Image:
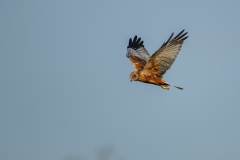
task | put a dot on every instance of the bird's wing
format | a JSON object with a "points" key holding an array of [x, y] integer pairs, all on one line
{"points": [[137, 54], [164, 57]]}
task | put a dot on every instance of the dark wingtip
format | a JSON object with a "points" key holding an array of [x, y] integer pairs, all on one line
{"points": [[170, 38], [135, 43], [179, 34], [135, 38], [130, 41], [184, 38]]}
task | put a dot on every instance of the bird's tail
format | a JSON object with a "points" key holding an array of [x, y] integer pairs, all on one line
{"points": [[168, 84]]}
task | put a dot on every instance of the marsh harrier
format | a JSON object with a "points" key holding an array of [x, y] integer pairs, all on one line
{"points": [[150, 69]]}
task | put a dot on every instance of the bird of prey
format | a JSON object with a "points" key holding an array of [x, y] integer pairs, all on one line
{"points": [[150, 69]]}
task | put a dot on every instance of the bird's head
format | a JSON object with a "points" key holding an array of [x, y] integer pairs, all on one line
{"points": [[134, 76]]}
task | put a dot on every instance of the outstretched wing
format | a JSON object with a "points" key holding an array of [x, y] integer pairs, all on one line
{"points": [[164, 57], [137, 54]]}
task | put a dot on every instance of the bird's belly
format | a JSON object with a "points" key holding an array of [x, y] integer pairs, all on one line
{"points": [[151, 79]]}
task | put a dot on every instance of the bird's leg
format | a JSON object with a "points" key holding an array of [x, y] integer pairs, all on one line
{"points": [[161, 83]]}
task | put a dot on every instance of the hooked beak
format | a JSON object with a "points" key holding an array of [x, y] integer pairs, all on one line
{"points": [[130, 80]]}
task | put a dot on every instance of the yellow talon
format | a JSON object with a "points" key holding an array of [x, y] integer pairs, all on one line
{"points": [[164, 87]]}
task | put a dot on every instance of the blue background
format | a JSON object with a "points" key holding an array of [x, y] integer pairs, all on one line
{"points": [[65, 92]]}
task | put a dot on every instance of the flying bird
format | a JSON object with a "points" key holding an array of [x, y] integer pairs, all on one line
{"points": [[150, 69]]}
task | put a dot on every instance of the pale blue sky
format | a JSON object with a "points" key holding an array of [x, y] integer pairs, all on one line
{"points": [[65, 91]]}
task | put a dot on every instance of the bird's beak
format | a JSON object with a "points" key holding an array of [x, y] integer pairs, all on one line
{"points": [[130, 80]]}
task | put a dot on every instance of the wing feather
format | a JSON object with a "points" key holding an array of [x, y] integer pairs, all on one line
{"points": [[164, 57], [137, 54]]}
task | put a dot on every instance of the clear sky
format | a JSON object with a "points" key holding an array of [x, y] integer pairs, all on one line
{"points": [[65, 92]]}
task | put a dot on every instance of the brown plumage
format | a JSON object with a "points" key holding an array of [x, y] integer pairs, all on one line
{"points": [[150, 69]]}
